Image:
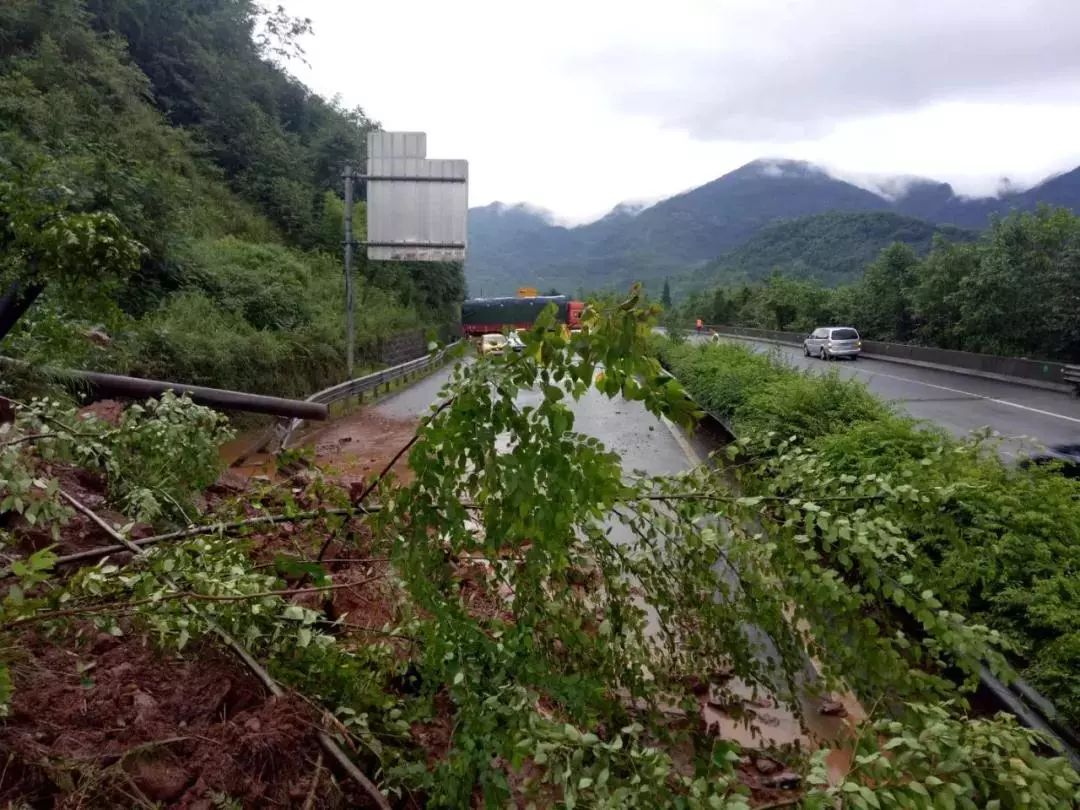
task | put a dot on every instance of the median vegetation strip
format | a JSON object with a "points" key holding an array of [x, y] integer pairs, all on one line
{"points": [[933, 525]]}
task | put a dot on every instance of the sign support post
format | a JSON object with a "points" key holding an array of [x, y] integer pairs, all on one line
{"points": [[417, 210], [350, 298]]}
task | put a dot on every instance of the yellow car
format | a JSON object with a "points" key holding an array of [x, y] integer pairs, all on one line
{"points": [[492, 344]]}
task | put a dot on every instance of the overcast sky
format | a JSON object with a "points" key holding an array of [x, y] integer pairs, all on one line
{"points": [[575, 105]]}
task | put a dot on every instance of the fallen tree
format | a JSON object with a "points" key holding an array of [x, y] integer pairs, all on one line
{"points": [[563, 666]]}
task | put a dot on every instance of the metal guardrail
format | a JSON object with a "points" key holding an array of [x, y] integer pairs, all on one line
{"points": [[1072, 376], [361, 385]]}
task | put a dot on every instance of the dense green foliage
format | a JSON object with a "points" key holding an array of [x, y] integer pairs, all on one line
{"points": [[832, 248], [1013, 292], [561, 690], [192, 183], [996, 543]]}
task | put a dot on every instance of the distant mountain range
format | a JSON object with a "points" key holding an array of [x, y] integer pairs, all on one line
{"points": [[693, 236]]}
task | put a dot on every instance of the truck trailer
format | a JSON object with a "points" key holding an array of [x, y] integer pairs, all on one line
{"points": [[481, 316]]}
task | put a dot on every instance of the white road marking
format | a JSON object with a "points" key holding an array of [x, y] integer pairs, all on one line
{"points": [[983, 397], [1039, 411]]}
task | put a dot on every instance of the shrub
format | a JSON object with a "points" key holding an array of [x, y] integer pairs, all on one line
{"points": [[998, 543]]}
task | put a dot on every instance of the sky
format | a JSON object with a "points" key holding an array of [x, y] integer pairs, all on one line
{"points": [[577, 105]]}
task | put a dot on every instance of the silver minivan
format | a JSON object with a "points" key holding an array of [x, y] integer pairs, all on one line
{"points": [[830, 342]]}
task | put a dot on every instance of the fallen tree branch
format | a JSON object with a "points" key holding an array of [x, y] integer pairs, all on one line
{"points": [[29, 437], [179, 594], [90, 513], [210, 528], [309, 802], [325, 740]]}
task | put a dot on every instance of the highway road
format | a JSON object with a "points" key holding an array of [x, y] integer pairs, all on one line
{"points": [[1025, 417], [643, 441]]}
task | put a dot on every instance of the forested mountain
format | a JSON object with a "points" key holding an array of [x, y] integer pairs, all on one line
{"points": [[174, 124], [833, 248], [1013, 291], [938, 202], [661, 240], [685, 231]]}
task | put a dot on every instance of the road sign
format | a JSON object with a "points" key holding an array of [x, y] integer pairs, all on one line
{"points": [[417, 208]]}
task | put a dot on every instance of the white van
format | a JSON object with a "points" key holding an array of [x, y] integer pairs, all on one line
{"points": [[831, 342]]}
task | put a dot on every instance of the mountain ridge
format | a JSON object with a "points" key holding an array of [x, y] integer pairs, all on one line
{"points": [[692, 228]]}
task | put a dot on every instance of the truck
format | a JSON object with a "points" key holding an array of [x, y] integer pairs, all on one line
{"points": [[481, 316]]}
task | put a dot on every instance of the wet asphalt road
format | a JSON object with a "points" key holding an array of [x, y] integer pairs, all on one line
{"points": [[1027, 417], [415, 400], [644, 442]]}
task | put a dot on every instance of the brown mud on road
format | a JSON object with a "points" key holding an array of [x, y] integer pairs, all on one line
{"points": [[349, 450], [360, 445]]}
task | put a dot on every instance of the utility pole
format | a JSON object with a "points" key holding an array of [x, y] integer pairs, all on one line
{"points": [[350, 298]]}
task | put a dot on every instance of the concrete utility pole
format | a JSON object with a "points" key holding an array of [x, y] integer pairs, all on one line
{"points": [[350, 328]]}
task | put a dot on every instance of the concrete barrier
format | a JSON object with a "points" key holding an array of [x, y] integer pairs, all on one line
{"points": [[1036, 373]]}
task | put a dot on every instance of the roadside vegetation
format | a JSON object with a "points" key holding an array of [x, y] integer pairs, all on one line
{"points": [[473, 633], [176, 191], [925, 522], [1012, 292]]}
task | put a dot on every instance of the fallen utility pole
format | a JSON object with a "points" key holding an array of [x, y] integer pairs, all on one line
{"points": [[117, 385]]}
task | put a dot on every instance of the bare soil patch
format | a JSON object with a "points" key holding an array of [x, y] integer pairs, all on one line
{"points": [[99, 721]]}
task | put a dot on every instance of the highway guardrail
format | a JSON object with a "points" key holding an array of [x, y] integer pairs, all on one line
{"points": [[361, 385], [1031, 708]]}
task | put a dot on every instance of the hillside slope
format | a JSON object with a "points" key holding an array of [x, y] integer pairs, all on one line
{"points": [[833, 248], [510, 246], [175, 119]]}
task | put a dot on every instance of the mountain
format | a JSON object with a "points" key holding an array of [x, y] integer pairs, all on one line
{"points": [[510, 246], [712, 218], [938, 202], [504, 239], [832, 248]]}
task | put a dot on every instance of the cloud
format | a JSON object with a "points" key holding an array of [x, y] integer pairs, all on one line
{"points": [[576, 105], [792, 72]]}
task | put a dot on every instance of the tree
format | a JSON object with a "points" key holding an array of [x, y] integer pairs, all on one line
{"points": [[665, 296], [885, 308], [1023, 296], [936, 297], [722, 307]]}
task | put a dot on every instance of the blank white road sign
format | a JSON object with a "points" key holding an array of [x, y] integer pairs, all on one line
{"points": [[417, 209]]}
